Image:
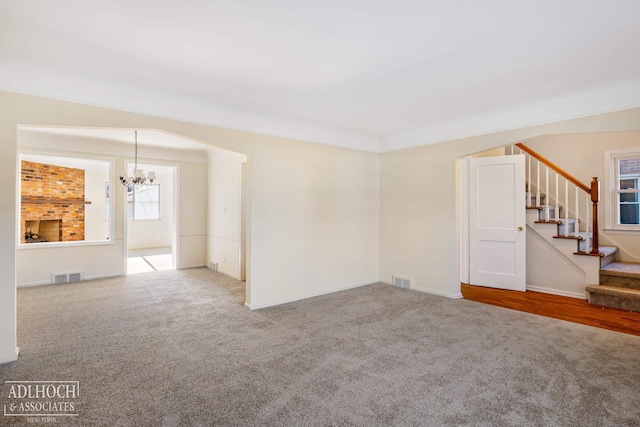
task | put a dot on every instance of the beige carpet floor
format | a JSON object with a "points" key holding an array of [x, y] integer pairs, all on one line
{"points": [[178, 348]]}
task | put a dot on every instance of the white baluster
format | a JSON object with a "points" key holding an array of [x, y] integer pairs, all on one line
{"points": [[556, 215], [538, 185], [588, 239], [566, 207], [546, 209], [577, 224], [529, 184]]}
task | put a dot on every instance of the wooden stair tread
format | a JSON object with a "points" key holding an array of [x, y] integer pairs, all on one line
{"points": [[604, 251], [547, 222], [568, 237], [588, 254]]}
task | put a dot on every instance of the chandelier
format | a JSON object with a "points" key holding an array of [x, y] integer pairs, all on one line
{"points": [[138, 177]]}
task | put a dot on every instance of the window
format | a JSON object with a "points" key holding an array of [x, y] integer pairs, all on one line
{"points": [[143, 202], [625, 191], [628, 213]]}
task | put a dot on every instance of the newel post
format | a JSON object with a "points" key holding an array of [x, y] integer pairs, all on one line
{"points": [[595, 198]]}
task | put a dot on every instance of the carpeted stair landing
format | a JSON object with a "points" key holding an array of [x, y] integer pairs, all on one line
{"points": [[619, 287]]}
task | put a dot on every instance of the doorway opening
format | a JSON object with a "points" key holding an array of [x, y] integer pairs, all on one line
{"points": [[151, 220]]}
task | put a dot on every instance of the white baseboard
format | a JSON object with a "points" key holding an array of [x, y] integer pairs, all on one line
{"points": [[28, 285], [185, 267], [226, 273], [48, 282], [106, 276], [430, 291], [10, 356], [301, 296], [454, 295], [557, 292]]}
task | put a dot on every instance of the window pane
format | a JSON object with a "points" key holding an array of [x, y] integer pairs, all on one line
{"points": [[627, 195], [629, 184], [629, 166], [629, 214], [147, 202]]}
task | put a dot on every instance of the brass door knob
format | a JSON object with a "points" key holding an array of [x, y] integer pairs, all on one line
{"points": [[520, 228]]}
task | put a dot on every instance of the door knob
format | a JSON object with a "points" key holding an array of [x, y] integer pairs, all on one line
{"points": [[520, 229]]}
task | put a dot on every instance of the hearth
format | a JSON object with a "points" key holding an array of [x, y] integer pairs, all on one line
{"points": [[43, 231]]}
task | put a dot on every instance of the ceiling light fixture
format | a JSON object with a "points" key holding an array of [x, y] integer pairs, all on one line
{"points": [[138, 177]]}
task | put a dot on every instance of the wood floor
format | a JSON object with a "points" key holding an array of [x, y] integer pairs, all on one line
{"points": [[559, 307]]}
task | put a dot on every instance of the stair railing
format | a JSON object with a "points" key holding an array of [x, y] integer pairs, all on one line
{"points": [[592, 195]]}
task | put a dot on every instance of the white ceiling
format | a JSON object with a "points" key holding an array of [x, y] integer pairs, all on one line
{"points": [[375, 75]]}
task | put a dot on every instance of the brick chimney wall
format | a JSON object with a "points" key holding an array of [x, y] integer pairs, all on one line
{"points": [[49, 183]]}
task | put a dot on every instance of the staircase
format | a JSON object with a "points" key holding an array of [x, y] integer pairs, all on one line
{"points": [[609, 283], [619, 287]]}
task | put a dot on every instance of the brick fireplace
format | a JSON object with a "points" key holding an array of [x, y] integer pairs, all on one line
{"points": [[53, 204]]}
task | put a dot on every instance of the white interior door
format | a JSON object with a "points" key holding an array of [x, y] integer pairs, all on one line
{"points": [[497, 222]]}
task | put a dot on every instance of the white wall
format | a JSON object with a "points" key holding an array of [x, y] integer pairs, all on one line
{"points": [[550, 271], [8, 229], [36, 265], [96, 225], [192, 220], [155, 233], [224, 203], [314, 221]]}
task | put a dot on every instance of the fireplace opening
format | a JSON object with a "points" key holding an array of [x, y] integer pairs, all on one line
{"points": [[43, 231]]}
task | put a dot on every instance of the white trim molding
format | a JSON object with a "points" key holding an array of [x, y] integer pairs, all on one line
{"points": [[455, 295], [10, 357], [610, 187], [557, 292]]}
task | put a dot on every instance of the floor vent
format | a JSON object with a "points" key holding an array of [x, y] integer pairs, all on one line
{"points": [[59, 278], [402, 281], [75, 277]]}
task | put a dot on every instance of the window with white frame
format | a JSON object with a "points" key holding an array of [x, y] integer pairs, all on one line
{"points": [[624, 196], [143, 202]]}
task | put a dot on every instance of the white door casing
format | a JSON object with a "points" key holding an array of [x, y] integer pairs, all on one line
{"points": [[497, 222]]}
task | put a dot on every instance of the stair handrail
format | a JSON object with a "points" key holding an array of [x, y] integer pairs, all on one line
{"points": [[593, 190], [575, 181]]}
